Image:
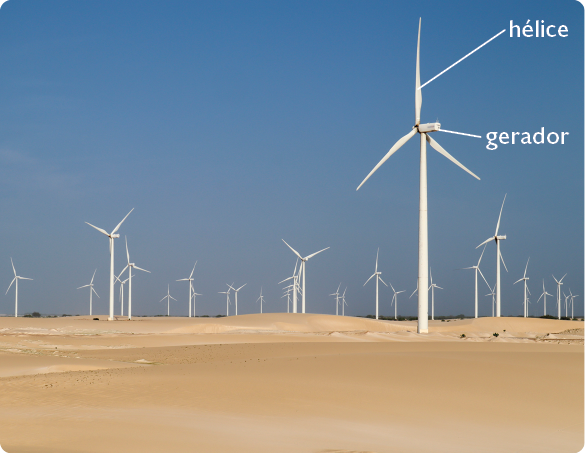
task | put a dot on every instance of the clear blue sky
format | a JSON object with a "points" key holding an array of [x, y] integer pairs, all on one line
{"points": [[231, 125]]}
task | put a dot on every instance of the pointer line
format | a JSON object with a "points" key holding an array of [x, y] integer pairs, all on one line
{"points": [[460, 133], [462, 58]]}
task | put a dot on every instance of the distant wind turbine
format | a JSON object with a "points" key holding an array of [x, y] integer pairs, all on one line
{"points": [[343, 302], [304, 269], [544, 294], [112, 236], [295, 278], [525, 278], [378, 278], [559, 283], [432, 288], [227, 293], [190, 280], [261, 299], [236, 295], [194, 297], [395, 300], [423, 240], [130, 266], [336, 294], [572, 303], [497, 239], [91, 290], [15, 279], [122, 283], [493, 294], [168, 297], [477, 269]]}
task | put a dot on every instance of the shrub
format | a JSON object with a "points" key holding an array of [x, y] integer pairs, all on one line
{"points": [[462, 335], [35, 314], [496, 334], [96, 319]]}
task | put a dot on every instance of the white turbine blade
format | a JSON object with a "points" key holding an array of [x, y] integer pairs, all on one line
{"points": [[172, 297], [502, 258], [392, 287], [311, 256], [93, 277], [193, 269], [377, 253], [481, 256], [382, 280], [526, 267], [431, 272], [541, 296], [296, 262], [140, 269], [480, 273], [84, 286], [162, 299], [241, 287], [120, 274], [182, 280], [562, 278], [95, 292], [398, 292], [368, 279], [442, 151], [127, 253], [294, 251], [528, 290], [518, 281], [485, 242], [438, 287], [24, 278], [99, 229], [501, 209], [120, 224], [413, 292], [230, 286], [395, 148], [418, 94], [286, 279], [464, 268]]}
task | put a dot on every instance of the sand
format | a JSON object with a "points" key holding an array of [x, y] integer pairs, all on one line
{"points": [[290, 383]]}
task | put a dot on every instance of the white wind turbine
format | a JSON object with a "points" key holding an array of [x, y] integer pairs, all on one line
{"points": [[303, 269], [477, 269], [295, 278], [191, 290], [567, 296], [544, 294], [377, 275], [261, 299], [227, 293], [559, 283], [493, 294], [129, 266], [15, 279], [236, 296], [432, 288], [336, 294], [572, 303], [287, 295], [194, 297], [343, 302], [112, 236], [423, 240], [525, 278], [122, 283], [90, 293], [168, 297], [395, 300], [498, 258]]}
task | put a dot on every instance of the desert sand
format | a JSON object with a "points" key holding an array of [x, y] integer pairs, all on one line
{"points": [[290, 383]]}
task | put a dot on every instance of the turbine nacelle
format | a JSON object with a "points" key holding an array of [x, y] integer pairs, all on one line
{"points": [[429, 127], [500, 238]]}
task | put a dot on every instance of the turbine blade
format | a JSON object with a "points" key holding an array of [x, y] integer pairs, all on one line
{"points": [[395, 148], [502, 258], [442, 151], [118, 277], [286, 279], [120, 224], [438, 287], [99, 229], [377, 253], [540, 297], [11, 262], [526, 267], [95, 292], [562, 278], [418, 94], [93, 277], [84, 286], [241, 287], [382, 280], [294, 251], [368, 279], [501, 209], [481, 256], [127, 254], [518, 281], [311, 256], [193, 269], [182, 280], [485, 242], [480, 273], [398, 292], [140, 269], [24, 278], [173, 298]]}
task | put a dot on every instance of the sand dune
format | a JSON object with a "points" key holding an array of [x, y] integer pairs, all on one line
{"points": [[290, 383]]}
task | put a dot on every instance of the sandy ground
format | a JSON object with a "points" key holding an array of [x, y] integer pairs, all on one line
{"points": [[290, 383]]}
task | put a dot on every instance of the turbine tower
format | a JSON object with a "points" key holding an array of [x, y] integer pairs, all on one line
{"points": [[432, 288], [130, 266], [423, 241], [227, 293], [336, 294], [191, 290], [343, 302], [90, 293], [15, 279], [559, 283], [395, 300], [525, 278], [168, 297], [477, 269], [303, 269], [261, 299], [499, 257], [377, 275], [544, 294], [236, 296], [112, 236]]}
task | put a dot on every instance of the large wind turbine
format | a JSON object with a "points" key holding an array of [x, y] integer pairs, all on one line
{"points": [[227, 293], [261, 299], [15, 279], [432, 288], [236, 296], [168, 297], [477, 269], [377, 275], [190, 280], [525, 278], [112, 236], [423, 240], [499, 257], [130, 266], [194, 300], [559, 283], [90, 292], [544, 293], [303, 269], [395, 300]]}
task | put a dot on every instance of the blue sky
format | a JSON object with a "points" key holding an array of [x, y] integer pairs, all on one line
{"points": [[229, 126]]}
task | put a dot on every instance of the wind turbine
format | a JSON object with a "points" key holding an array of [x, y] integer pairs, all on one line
{"points": [[432, 288], [423, 240], [377, 275], [544, 293], [295, 285], [236, 296], [287, 295], [194, 297], [572, 303], [499, 257], [190, 280], [15, 279], [477, 269], [227, 293], [90, 293], [343, 302], [303, 268], [336, 294], [130, 266], [122, 283], [395, 300], [112, 236], [559, 283], [493, 294], [168, 297], [525, 278], [261, 299]]}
